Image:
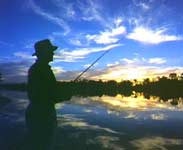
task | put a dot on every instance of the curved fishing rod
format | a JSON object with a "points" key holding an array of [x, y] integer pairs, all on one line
{"points": [[91, 65]]}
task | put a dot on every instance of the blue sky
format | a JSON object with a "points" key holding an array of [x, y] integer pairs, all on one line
{"points": [[144, 37]]}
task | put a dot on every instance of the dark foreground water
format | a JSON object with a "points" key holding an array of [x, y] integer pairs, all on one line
{"points": [[100, 123]]}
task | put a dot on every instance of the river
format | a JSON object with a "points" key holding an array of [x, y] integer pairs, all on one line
{"points": [[101, 123]]}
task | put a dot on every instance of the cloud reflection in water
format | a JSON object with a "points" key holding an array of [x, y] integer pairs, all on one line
{"points": [[133, 107], [153, 143], [73, 121]]}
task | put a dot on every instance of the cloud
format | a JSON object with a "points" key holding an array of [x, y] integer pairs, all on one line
{"points": [[118, 21], [15, 72], [67, 75], [87, 65], [75, 42], [58, 70], [123, 72], [57, 20], [142, 5], [75, 55], [113, 64], [66, 7], [157, 61], [149, 36], [91, 11], [127, 69], [142, 60], [129, 61], [24, 55], [108, 36]]}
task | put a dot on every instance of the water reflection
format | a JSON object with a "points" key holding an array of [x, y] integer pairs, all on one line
{"points": [[137, 102], [150, 143], [74, 121], [103, 123], [107, 142]]}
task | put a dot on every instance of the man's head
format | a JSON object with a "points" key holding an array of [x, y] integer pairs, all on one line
{"points": [[44, 50]]}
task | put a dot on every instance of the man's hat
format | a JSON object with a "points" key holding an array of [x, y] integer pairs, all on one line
{"points": [[43, 45]]}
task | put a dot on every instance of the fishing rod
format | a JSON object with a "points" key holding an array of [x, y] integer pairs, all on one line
{"points": [[91, 65]]}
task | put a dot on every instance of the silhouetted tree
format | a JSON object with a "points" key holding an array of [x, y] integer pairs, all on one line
{"points": [[181, 76], [173, 76], [163, 78], [146, 81], [135, 81]]}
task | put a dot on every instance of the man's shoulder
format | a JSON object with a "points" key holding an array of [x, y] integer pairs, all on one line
{"points": [[38, 67], [34, 68]]}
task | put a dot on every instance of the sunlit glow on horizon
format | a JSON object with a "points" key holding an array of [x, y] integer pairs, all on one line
{"points": [[131, 73]]}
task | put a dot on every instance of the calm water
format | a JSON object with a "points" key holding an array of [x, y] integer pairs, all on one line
{"points": [[102, 123]]}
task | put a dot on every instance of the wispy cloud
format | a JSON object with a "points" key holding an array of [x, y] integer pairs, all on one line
{"points": [[24, 55], [75, 42], [91, 11], [57, 20], [149, 36], [142, 60], [107, 37], [72, 56], [143, 5], [87, 65], [65, 7]]}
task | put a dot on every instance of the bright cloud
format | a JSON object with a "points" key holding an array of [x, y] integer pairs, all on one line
{"points": [[134, 69], [157, 61], [108, 37], [154, 60], [72, 56], [129, 61], [149, 36], [58, 70]]}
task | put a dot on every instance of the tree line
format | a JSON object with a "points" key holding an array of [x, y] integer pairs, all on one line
{"points": [[163, 87]]}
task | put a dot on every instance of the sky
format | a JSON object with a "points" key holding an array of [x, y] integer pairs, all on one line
{"points": [[144, 37]]}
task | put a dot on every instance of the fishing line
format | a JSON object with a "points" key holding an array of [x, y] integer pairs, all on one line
{"points": [[91, 65]]}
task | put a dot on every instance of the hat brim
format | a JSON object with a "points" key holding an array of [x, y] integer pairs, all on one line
{"points": [[53, 48]]}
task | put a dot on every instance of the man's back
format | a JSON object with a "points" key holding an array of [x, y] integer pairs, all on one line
{"points": [[41, 84]]}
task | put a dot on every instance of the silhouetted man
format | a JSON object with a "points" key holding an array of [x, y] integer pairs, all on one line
{"points": [[41, 114]]}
